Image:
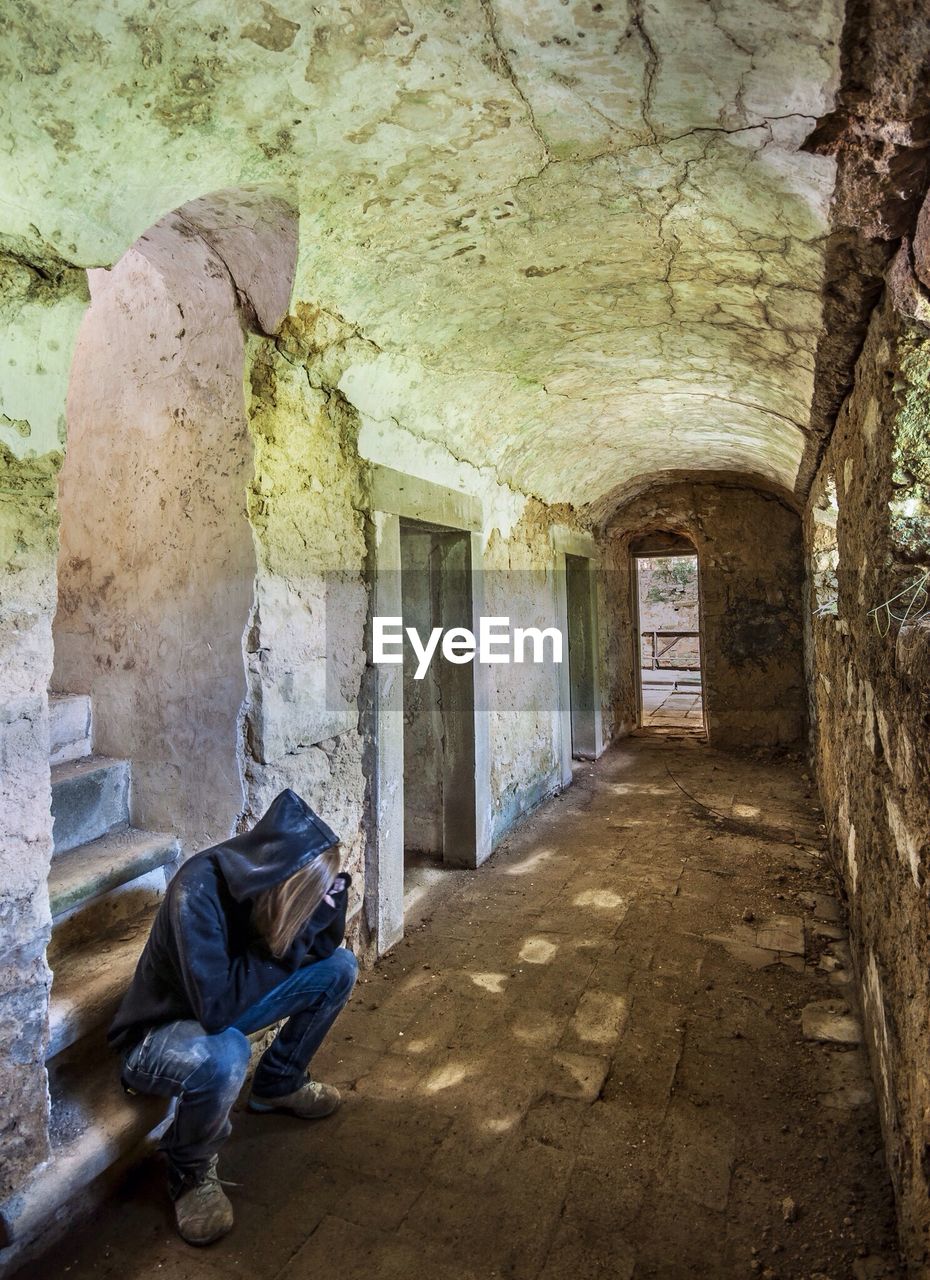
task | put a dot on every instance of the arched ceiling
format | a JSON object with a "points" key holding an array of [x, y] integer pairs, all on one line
{"points": [[581, 239]]}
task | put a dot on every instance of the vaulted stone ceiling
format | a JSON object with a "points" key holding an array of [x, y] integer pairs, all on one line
{"points": [[579, 241]]}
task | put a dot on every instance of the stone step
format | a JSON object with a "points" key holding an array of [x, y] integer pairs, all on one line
{"points": [[89, 798], [88, 983], [96, 1129], [70, 727], [78, 928], [98, 886]]}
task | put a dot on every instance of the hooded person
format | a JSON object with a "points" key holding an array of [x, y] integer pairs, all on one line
{"points": [[249, 933]]}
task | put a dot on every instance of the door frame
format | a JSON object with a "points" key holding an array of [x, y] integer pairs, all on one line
{"points": [[567, 542], [665, 554], [396, 496]]}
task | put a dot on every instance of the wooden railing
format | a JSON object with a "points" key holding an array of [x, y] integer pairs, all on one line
{"points": [[667, 640]]}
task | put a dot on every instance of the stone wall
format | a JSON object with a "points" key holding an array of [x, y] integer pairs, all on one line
{"points": [[156, 563], [524, 699], [41, 304], [305, 641], [517, 558], [748, 546], [870, 713], [27, 549]]}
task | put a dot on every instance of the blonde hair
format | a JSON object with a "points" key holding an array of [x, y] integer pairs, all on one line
{"points": [[280, 912]]}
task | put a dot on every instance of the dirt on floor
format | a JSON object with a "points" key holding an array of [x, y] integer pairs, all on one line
{"points": [[627, 1046]]}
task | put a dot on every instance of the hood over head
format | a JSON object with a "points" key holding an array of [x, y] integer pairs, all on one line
{"points": [[288, 837]]}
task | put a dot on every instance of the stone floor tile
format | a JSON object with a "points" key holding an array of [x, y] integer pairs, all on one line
{"points": [[580, 1253], [782, 933], [699, 1147], [830, 1020], [576, 1075], [341, 1247], [598, 1021], [679, 1245], [505, 1223]]}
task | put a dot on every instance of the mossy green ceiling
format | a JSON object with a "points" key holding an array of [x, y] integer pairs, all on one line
{"points": [[579, 240]]}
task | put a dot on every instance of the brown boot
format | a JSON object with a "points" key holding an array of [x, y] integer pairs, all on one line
{"points": [[311, 1101], [203, 1211]]}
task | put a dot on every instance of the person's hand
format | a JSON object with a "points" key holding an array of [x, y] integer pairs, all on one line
{"points": [[338, 886]]}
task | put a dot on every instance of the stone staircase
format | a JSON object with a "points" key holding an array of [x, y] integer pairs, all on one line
{"points": [[105, 884]]}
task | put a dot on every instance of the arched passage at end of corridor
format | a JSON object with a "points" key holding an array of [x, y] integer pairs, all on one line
{"points": [[747, 539]]}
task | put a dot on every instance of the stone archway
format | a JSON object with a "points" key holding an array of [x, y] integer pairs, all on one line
{"points": [[157, 561], [748, 545], [157, 572]]}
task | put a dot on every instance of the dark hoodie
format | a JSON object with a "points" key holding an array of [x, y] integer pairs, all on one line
{"points": [[203, 959]]}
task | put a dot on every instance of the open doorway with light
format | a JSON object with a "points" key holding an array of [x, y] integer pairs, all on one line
{"points": [[668, 610]]}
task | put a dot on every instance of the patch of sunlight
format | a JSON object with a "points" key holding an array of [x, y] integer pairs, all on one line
{"points": [[447, 1077], [418, 1046], [500, 1124], [600, 1017], [538, 950], [746, 811], [581, 1070], [493, 982], [418, 883], [640, 789], [529, 864], [415, 980], [603, 899], [413, 896]]}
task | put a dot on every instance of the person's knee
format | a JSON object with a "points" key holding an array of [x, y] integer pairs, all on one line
{"points": [[345, 968], [224, 1061]]}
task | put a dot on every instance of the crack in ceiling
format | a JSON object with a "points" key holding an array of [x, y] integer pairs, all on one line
{"points": [[581, 239]]}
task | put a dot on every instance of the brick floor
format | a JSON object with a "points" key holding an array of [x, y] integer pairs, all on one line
{"points": [[586, 1061]]}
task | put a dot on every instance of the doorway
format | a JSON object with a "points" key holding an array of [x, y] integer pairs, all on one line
{"points": [[668, 611], [582, 621], [439, 708], [442, 533]]}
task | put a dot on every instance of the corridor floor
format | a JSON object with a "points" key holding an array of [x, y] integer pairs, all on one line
{"points": [[665, 708], [602, 1055]]}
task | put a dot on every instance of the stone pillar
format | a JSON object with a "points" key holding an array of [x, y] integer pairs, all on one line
{"points": [[41, 304], [384, 871]]}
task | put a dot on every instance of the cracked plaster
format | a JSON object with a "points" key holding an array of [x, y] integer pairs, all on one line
{"points": [[577, 237]]}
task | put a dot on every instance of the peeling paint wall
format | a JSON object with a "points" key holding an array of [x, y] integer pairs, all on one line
{"points": [[156, 564], [871, 677], [749, 554]]}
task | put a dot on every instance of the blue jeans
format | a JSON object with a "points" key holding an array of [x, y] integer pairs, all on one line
{"points": [[205, 1072]]}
